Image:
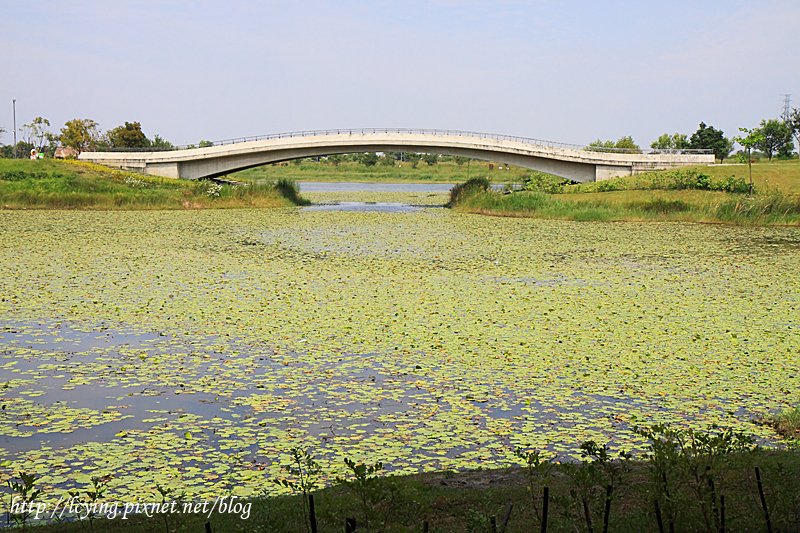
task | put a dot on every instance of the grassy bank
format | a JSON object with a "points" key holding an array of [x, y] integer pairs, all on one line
{"points": [[653, 206], [49, 184], [601, 493], [706, 194]]}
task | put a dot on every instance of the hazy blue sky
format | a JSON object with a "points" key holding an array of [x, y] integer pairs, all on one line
{"points": [[569, 71]]}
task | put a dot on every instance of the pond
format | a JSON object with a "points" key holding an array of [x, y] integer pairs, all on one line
{"points": [[197, 348], [349, 187]]}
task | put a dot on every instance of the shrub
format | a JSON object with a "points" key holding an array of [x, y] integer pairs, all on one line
{"points": [[678, 179], [703, 182], [20, 175], [734, 184], [467, 189], [607, 186], [541, 182], [289, 190], [211, 188]]}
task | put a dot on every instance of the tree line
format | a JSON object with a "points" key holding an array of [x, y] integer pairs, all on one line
{"points": [[81, 134], [773, 137]]}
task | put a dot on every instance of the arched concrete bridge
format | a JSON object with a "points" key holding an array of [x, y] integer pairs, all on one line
{"points": [[573, 162]]}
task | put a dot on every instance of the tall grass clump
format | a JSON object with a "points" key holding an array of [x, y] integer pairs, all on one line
{"points": [[773, 208], [288, 189], [662, 206], [468, 189], [787, 423]]}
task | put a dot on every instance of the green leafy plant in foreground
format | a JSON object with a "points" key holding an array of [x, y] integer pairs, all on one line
{"points": [[695, 459], [91, 498], [304, 474], [168, 494], [23, 495], [365, 484], [538, 473], [596, 479]]}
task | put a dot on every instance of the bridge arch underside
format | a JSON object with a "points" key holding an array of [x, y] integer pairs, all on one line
{"points": [[220, 166]]}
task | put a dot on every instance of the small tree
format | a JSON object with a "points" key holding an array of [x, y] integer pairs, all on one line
{"points": [[776, 137], [369, 159], [387, 159], [625, 143], [161, 144], [676, 141], [601, 145], [710, 138], [304, 473], [81, 134], [37, 132], [431, 159], [750, 139], [129, 135], [412, 158]]}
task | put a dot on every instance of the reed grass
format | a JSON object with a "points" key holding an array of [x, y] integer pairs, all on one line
{"points": [[768, 209]]}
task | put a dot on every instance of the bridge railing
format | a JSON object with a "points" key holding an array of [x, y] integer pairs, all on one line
{"points": [[411, 131]]}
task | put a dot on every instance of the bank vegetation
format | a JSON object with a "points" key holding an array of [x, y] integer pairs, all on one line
{"points": [[722, 194], [50, 184]]}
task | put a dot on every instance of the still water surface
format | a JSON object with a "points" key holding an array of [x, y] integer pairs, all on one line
{"points": [[201, 346]]}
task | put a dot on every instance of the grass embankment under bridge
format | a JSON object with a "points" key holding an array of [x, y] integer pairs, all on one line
{"points": [[711, 194], [656, 196]]}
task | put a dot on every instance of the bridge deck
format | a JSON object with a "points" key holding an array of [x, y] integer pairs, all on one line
{"points": [[570, 161]]}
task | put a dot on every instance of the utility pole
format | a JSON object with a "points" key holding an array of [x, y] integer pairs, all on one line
{"points": [[14, 107]]}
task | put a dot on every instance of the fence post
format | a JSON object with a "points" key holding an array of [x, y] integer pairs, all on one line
{"points": [[545, 507], [763, 500], [312, 513], [507, 517]]}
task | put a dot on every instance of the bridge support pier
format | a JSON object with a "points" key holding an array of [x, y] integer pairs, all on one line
{"points": [[165, 170], [606, 172]]}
